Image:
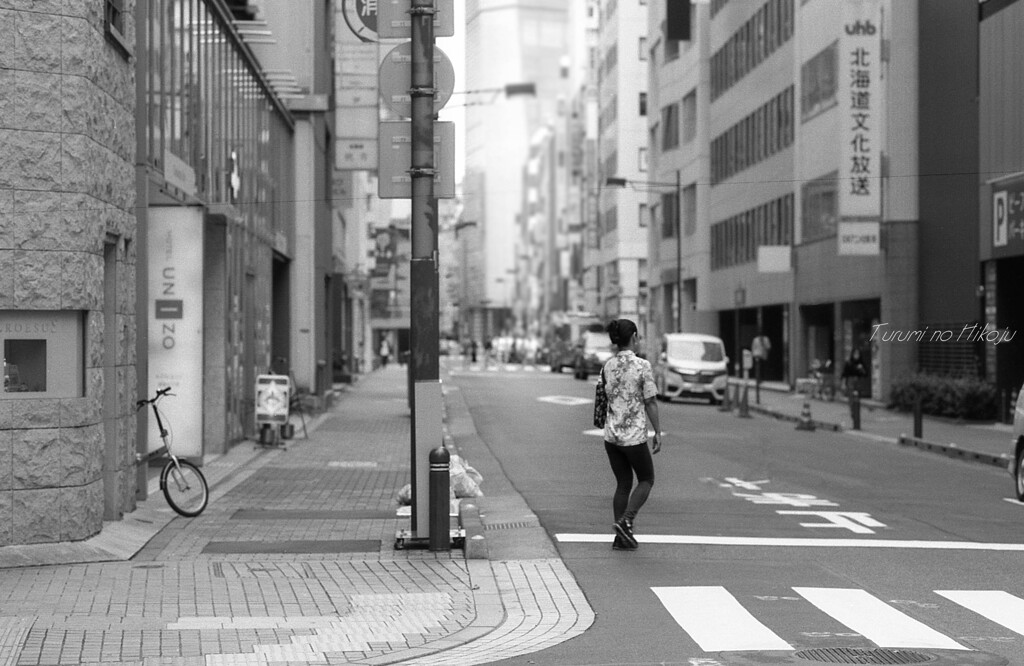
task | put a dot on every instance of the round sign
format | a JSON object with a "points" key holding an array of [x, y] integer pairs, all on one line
{"points": [[395, 79]]}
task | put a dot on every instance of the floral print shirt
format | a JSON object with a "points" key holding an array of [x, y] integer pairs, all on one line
{"points": [[629, 382]]}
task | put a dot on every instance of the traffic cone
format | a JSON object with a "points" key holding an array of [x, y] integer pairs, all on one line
{"points": [[805, 419], [744, 411]]}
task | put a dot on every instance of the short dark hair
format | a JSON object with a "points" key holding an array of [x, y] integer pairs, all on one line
{"points": [[621, 331]]}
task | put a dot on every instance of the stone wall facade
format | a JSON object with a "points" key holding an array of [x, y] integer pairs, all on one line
{"points": [[67, 225]]}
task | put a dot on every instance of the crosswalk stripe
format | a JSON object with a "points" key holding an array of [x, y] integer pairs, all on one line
{"points": [[716, 621], [1001, 607], [875, 620]]}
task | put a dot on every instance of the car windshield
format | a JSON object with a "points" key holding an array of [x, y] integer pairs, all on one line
{"points": [[594, 341], [695, 350]]}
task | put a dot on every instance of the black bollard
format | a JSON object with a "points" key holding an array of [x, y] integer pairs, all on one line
{"points": [[439, 499], [855, 410], [918, 421]]}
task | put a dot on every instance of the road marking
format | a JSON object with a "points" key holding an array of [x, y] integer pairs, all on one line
{"points": [[599, 432], [1001, 607], [859, 523], [792, 542], [568, 400], [876, 620], [716, 621]]}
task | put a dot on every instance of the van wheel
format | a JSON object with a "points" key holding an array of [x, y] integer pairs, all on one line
{"points": [[1018, 475]]}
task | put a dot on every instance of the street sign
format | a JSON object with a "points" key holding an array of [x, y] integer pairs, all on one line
{"points": [[395, 79], [858, 238], [394, 181], [394, 21]]}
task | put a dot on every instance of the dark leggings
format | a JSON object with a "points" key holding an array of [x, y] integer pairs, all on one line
{"points": [[625, 460]]}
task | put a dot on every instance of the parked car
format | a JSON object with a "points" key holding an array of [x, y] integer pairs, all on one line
{"points": [[691, 365], [560, 355], [590, 355], [1016, 465]]}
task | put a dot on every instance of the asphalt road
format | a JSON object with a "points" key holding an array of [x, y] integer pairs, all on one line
{"points": [[753, 540]]}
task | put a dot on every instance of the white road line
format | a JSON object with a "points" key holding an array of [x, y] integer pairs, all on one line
{"points": [[697, 540], [876, 620], [1000, 607], [716, 621]]}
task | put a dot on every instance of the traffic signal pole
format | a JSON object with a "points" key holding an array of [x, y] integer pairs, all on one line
{"points": [[424, 290]]}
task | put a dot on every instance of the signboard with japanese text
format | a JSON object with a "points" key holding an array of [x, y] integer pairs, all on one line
{"points": [[175, 323], [860, 110], [1008, 218], [859, 238], [356, 59]]}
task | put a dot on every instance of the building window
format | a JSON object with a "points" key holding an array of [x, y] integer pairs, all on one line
{"points": [[641, 159], [818, 78], [756, 137], [642, 54], [43, 354], [642, 215], [734, 241], [671, 45], [690, 209], [114, 20], [768, 29], [820, 206], [669, 216], [643, 104], [689, 116], [670, 127]]}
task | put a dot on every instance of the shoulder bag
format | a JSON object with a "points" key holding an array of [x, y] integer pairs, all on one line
{"points": [[600, 403]]}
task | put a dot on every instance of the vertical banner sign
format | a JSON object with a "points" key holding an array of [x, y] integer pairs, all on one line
{"points": [[860, 115], [1008, 218], [175, 324], [356, 58]]}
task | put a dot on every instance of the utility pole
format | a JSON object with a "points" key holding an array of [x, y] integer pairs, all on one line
{"points": [[424, 289], [679, 253]]}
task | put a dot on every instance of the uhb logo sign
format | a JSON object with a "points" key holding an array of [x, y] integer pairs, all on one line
{"points": [[861, 28]]}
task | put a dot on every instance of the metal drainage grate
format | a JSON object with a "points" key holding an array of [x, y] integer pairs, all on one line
{"points": [[848, 655], [512, 526]]}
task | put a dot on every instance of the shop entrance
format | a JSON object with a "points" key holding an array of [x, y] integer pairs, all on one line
{"points": [[818, 336]]}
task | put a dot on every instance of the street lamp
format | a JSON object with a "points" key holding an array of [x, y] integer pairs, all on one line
{"points": [[613, 181]]}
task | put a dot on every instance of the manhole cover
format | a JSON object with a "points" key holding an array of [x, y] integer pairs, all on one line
{"points": [[848, 655], [511, 526]]}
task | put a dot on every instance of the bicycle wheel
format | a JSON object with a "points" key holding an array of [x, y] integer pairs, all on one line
{"points": [[184, 487]]}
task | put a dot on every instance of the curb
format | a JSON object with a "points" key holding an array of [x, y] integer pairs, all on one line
{"points": [[954, 451], [951, 449], [824, 425]]}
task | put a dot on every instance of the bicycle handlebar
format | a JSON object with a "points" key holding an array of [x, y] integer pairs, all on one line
{"points": [[159, 394]]}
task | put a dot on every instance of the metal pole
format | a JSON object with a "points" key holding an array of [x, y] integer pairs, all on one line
{"points": [[440, 482], [423, 281], [679, 253]]}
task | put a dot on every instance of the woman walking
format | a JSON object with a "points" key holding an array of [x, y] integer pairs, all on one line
{"points": [[629, 384]]}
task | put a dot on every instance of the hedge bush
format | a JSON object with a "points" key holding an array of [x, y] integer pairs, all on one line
{"points": [[962, 398]]}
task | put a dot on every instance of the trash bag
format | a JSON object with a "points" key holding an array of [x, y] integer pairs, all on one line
{"points": [[475, 475], [464, 486], [404, 496]]}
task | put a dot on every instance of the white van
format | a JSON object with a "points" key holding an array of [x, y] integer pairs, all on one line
{"points": [[691, 365]]}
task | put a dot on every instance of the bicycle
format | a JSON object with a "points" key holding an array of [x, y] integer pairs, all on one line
{"points": [[182, 483]]}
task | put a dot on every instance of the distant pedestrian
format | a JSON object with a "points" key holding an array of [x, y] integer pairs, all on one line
{"points": [[472, 349], [854, 371], [385, 352], [629, 384]]}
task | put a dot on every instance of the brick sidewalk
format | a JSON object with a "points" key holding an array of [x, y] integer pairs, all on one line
{"points": [[293, 562]]}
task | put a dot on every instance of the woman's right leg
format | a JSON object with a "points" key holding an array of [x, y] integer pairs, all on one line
{"points": [[623, 472]]}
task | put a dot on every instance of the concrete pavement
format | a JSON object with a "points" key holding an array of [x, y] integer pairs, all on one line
{"points": [[987, 443], [293, 562]]}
